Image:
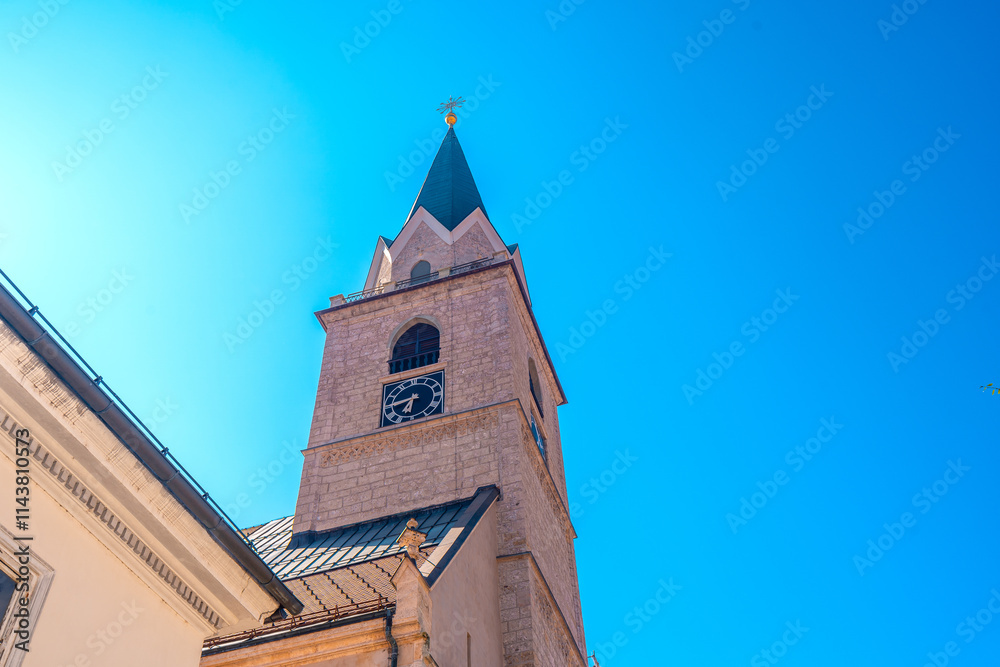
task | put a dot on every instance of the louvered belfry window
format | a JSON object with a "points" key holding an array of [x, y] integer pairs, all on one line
{"points": [[420, 345]]}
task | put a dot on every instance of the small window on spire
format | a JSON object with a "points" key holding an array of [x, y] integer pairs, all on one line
{"points": [[420, 272]]}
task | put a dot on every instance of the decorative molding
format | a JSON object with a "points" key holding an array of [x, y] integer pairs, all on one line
{"points": [[103, 513], [406, 437]]}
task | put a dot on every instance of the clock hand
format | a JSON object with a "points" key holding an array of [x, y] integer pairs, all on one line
{"points": [[405, 400], [409, 406]]}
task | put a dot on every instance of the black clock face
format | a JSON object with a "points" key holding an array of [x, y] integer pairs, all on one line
{"points": [[412, 399]]}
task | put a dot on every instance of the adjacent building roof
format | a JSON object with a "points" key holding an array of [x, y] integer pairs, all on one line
{"points": [[344, 575], [38, 334], [449, 192], [307, 553]]}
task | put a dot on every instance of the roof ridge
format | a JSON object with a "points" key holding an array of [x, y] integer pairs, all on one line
{"points": [[307, 537]]}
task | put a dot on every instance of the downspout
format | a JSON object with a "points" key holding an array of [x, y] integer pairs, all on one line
{"points": [[394, 652]]}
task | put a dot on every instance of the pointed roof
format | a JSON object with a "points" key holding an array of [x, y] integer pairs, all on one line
{"points": [[449, 192]]}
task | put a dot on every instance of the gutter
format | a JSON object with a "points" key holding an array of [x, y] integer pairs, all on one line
{"points": [[155, 460], [394, 653]]}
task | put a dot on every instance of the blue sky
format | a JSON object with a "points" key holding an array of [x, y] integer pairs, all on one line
{"points": [[305, 150]]}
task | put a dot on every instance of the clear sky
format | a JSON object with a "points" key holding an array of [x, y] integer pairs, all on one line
{"points": [[167, 166]]}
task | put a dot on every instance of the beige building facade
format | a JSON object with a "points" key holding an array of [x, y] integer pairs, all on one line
{"points": [[107, 549]]}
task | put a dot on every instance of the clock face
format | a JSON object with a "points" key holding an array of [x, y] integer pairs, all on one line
{"points": [[412, 399]]}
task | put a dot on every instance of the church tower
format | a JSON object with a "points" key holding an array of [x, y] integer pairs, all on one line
{"points": [[436, 383]]}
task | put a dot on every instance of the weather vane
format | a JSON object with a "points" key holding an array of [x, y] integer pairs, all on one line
{"points": [[450, 107]]}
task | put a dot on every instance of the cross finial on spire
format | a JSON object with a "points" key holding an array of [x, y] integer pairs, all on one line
{"points": [[450, 106]]}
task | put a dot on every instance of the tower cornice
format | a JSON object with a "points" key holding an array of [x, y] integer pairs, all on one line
{"points": [[357, 307]]}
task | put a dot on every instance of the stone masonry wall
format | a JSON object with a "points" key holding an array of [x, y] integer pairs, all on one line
{"points": [[406, 468], [524, 347], [355, 471], [472, 316], [426, 245]]}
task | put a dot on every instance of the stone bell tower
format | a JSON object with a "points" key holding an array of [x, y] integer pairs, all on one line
{"points": [[436, 382]]}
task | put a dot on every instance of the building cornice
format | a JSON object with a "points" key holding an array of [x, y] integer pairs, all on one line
{"points": [[85, 497]]}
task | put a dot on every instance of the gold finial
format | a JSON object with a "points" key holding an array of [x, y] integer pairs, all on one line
{"points": [[450, 107]]}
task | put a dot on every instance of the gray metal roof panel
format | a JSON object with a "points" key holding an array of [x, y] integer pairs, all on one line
{"points": [[351, 545]]}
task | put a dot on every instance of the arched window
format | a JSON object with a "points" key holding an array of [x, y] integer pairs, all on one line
{"points": [[535, 386], [420, 272], [420, 345]]}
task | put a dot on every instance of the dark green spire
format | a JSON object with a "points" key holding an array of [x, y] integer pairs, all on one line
{"points": [[449, 192]]}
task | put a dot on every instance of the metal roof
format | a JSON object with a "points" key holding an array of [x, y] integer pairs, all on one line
{"points": [[449, 192], [345, 575], [309, 553]]}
